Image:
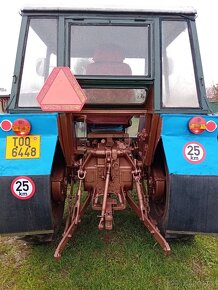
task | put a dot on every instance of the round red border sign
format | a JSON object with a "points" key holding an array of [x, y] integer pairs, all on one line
{"points": [[23, 187], [194, 152]]}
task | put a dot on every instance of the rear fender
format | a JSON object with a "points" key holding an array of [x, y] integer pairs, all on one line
{"points": [[25, 193], [192, 164]]}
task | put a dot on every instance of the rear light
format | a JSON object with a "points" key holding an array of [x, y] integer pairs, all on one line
{"points": [[21, 127], [197, 125]]}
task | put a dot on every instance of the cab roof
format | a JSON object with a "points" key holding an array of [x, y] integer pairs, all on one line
{"points": [[149, 10]]}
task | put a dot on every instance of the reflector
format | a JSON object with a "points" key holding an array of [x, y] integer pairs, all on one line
{"points": [[211, 126], [61, 92], [6, 125]]}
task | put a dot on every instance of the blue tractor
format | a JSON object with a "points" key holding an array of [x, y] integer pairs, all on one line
{"points": [[108, 108]]}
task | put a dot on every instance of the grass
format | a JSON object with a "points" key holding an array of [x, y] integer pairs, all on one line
{"points": [[125, 258]]}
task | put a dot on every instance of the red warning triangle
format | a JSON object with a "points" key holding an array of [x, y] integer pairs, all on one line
{"points": [[61, 92]]}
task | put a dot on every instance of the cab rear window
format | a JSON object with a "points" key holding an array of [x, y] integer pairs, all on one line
{"points": [[110, 50]]}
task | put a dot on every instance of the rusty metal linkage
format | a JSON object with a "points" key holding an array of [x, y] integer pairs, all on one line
{"points": [[105, 196], [107, 173], [142, 211], [74, 218]]}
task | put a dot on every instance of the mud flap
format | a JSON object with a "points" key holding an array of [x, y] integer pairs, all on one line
{"points": [[193, 204], [26, 216]]}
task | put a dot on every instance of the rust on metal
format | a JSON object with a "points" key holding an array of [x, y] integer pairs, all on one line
{"points": [[67, 137], [107, 173], [108, 164]]}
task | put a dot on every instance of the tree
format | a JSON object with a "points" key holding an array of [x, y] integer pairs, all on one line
{"points": [[212, 93]]}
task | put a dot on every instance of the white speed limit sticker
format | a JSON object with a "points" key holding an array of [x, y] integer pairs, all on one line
{"points": [[23, 187], [194, 152]]}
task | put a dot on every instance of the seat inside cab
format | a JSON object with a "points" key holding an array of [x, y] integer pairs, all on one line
{"points": [[109, 60]]}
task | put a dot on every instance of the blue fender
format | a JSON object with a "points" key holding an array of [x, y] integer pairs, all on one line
{"points": [[21, 213], [192, 165], [44, 125]]}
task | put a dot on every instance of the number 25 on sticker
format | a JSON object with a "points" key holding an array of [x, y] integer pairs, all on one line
{"points": [[23, 187], [194, 152]]}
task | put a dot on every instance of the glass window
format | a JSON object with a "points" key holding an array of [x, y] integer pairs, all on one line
{"points": [[109, 50], [178, 79], [40, 58], [115, 96]]}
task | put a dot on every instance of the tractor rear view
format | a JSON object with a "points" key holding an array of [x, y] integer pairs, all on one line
{"points": [[108, 109]]}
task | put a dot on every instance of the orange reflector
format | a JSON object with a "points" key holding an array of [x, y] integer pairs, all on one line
{"points": [[197, 125], [21, 127]]}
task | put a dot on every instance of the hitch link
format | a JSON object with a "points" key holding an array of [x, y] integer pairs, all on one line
{"points": [[74, 217], [105, 196], [143, 213]]}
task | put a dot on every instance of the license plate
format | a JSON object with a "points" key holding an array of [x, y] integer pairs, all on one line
{"points": [[23, 147]]}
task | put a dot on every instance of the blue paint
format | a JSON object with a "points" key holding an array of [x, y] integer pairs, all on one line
{"points": [[175, 134], [44, 125]]}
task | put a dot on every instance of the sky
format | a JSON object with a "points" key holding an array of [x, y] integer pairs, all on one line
{"points": [[206, 26]]}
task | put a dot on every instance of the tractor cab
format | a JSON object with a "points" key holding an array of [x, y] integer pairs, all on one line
{"points": [[112, 101]]}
